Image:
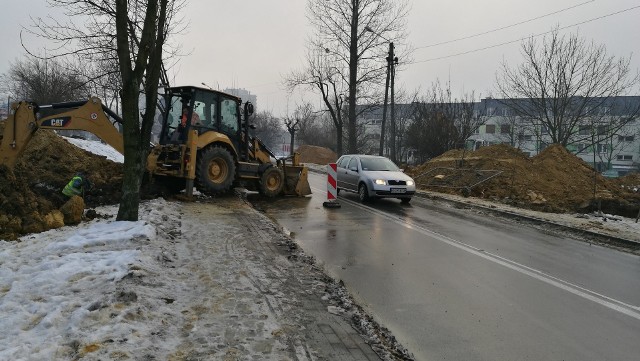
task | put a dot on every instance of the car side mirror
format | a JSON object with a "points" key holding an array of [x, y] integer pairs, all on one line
{"points": [[353, 169]]}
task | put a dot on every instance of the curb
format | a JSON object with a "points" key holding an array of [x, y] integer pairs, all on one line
{"points": [[600, 237]]}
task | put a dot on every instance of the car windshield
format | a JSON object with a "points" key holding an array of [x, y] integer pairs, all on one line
{"points": [[374, 164]]}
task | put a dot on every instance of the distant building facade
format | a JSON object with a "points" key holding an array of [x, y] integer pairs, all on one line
{"points": [[243, 94], [612, 154]]}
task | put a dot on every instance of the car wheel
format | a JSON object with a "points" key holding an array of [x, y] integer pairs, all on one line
{"points": [[405, 200], [363, 193]]}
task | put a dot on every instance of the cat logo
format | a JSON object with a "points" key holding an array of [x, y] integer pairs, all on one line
{"points": [[60, 122], [57, 122]]}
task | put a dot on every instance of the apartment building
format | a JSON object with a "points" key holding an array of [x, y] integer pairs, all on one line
{"points": [[599, 140], [613, 150]]}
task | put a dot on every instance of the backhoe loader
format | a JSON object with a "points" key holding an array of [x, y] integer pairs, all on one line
{"points": [[204, 142]]}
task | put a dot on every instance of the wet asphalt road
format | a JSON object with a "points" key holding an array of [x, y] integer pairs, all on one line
{"points": [[456, 284]]}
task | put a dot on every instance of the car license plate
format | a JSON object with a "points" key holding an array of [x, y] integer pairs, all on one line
{"points": [[398, 190]]}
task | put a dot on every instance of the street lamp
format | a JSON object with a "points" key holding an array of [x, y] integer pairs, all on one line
{"points": [[391, 62]]}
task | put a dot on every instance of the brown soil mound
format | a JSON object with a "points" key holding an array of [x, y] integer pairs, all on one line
{"points": [[316, 155], [554, 181], [32, 190]]}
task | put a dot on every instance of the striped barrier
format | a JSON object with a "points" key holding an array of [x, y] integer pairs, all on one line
{"points": [[332, 186]]}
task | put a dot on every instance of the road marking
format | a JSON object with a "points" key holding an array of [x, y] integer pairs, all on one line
{"points": [[611, 303]]}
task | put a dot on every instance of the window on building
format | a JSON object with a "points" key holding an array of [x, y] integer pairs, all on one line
{"points": [[544, 129], [624, 157], [490, 111], [602, 129], [505, 128], [602, 148], [584, 130], [625, 138], [505, 112], [490, 129], [582, 147]]}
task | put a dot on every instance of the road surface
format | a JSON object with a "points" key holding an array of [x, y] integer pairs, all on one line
{"points": [[457, 284]]}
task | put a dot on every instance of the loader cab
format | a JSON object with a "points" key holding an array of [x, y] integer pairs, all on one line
{"points": [[201, 109]]}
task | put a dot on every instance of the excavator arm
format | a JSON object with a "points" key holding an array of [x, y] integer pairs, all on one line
{"points": [[22, 123]]}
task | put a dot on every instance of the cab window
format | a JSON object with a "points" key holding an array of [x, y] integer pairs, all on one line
{"points": [[229, 116], [204, 109]]}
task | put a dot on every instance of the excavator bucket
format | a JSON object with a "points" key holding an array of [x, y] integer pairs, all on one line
{"points": [[296, 181], [296, 177]]}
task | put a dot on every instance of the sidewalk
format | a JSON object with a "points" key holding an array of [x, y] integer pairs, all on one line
{"points": [[212, 279], [260, 266]]}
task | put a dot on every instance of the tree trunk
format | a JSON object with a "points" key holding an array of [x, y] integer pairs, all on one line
{"points": [[353, 79]]}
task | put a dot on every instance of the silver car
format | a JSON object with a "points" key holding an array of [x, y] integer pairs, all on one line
{"points": [[372, 176]]}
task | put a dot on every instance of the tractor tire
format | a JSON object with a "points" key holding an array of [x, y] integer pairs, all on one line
{"points": [[272, 182], [215, 171]]}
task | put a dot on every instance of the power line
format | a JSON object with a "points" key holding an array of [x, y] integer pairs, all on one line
{"points": [[528, 37], [504, 27]]}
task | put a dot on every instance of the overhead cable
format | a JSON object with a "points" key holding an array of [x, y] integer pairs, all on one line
{"points": [[504, 27]]}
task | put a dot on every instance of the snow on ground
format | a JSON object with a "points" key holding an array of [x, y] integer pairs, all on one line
{"points": [[189, 281], [52, 281], [98, 148]]}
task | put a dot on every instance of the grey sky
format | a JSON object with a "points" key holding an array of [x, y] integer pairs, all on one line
{"points": [[252, 44]]}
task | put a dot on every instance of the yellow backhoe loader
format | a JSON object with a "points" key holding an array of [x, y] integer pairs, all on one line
{"points": [[204, 142]]}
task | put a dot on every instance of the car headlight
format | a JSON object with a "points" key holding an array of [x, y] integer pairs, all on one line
{"points": [[380, 182], [410, 183]]}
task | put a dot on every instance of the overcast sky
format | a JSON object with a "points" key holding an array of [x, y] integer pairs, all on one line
{"points": [[252, 44]]}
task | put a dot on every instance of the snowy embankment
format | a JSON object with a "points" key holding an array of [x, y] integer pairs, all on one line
{"points": [[51, 282]]}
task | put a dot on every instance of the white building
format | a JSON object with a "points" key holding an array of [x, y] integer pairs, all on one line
{"points": [[612, 153]]}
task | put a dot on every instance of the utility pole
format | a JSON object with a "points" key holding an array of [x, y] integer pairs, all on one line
{"points": [[386, 99], [393, 60]]}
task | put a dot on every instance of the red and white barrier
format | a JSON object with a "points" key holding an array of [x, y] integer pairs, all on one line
{"points": [[332, 186]]}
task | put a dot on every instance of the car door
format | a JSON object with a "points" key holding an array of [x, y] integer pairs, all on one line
{"points": [[341, 171], [351, 175]]}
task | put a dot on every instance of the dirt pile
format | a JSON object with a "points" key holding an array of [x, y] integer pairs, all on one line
{"points": [[30, 194], [555, 180], [316, 155]]}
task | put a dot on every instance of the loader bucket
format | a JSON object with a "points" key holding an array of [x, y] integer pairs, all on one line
{"points": [[296, 181]]}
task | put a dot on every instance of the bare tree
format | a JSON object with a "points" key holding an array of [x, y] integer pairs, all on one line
{"points": [[303, 114], [441, 122], [563, 83], [319, 131], [343, 61], [267, 127], [45, 81], [131, 34], [328, 80]]}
